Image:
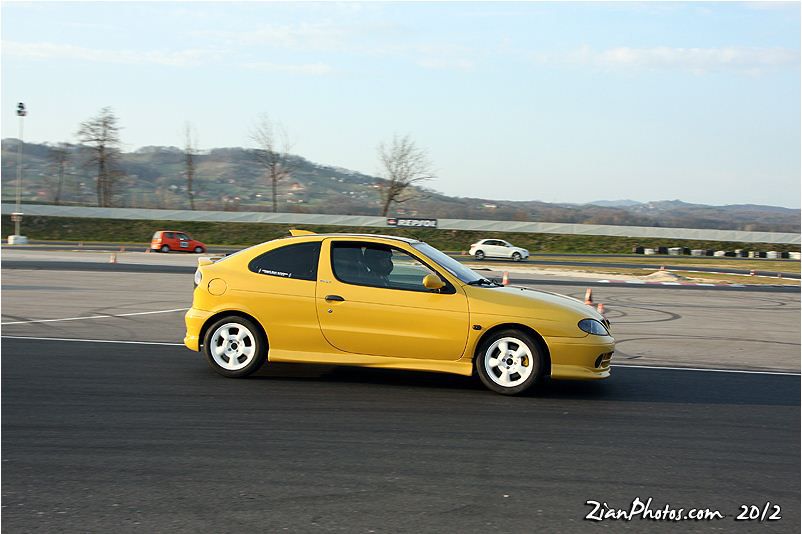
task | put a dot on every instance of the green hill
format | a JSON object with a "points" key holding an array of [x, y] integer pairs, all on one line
{"points": [[229, 179]]}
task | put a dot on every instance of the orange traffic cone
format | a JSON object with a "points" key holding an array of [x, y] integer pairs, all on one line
{"points": [[147, 251], [600, 309], [505, 280], [589, 297], [113, 258]]}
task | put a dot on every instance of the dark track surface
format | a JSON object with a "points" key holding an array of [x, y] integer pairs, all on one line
{"points": [[128, 438]]}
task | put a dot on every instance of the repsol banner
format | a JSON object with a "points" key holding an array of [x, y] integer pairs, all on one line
{"points": [[412, 222]]}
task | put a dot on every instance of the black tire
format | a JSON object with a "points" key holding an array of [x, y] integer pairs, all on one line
{"points": [[198, 250], [232, 354], [165, 248], [514, 339], [516, 256], [479, 255]]}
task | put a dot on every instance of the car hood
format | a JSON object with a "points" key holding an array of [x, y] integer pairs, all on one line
{"points": [[521, 302]]}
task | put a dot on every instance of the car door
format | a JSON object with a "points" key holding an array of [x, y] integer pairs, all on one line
{"points": [[371, 300], [495, 248], [183, 241]]}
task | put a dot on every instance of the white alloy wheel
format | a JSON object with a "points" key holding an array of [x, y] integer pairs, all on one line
{"points": [[165, 248], [198, 250], [508, 362], [232, 346]]}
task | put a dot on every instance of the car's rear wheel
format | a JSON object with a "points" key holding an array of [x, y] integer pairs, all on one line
{"points": [[516, 256], [165, 248], [509, 362], [479, 255], [198, 250], [234, 347]]}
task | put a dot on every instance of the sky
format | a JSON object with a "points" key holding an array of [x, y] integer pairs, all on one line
{"points": [[558, 102]]}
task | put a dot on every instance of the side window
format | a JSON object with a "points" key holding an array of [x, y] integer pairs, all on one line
{"points": [[290, 261], [375, 265], [169, 235], [182, 237]]}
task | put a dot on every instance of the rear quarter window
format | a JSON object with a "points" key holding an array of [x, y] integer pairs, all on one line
{"points": [[290, 261]]}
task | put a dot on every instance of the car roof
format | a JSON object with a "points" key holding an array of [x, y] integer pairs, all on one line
{"points": [[355, 235]]}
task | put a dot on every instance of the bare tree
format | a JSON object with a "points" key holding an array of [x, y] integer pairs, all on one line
{"points": [[58, 157], [102, 135], [272, 152], [403, 166], [190, 150]]}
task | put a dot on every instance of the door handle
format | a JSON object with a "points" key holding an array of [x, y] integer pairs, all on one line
{"points": [[336, 298]]}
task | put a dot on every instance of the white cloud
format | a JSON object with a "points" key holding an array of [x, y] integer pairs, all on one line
{"points": [[313, 69], [70, 52], [315, 36], [446, 64], [697, 60]]}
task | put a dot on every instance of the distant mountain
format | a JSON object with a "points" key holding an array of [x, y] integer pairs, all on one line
{"points": [[229, 179], [625, 203]]}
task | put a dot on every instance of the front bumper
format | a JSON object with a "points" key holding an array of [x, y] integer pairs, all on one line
{"points": [[194, 320], [586, 358]]}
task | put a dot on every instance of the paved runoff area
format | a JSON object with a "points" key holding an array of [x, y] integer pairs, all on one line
{"points": [[110, 425]]}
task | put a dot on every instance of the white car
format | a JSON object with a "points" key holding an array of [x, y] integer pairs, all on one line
{"points": [[497, 248]]}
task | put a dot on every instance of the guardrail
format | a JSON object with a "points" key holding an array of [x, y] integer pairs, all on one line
{"points": [[380, 222]]}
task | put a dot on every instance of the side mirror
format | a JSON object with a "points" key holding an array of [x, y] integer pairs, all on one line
{"points": [[432, 281]]}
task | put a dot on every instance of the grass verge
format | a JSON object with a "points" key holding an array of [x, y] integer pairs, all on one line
{"points": [[245, 234]]}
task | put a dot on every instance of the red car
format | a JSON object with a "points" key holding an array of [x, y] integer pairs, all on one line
{"points": [[167, 240]]}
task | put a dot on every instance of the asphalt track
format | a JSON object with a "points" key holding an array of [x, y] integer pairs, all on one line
{"points": [[103, 435], [133, 438], [89, 266], [539, 259]]}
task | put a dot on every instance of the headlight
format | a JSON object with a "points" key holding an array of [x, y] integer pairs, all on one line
{"points": [[198, 278], [592, 326]]}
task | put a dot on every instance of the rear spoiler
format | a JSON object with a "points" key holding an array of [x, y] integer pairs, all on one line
{"points": [[208, 260], [295, 233]]}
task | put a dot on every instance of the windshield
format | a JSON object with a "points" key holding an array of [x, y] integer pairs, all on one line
{"points": [[448, 263]]}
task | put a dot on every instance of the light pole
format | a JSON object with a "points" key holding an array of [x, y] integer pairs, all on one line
{"points": [[18, 239]]}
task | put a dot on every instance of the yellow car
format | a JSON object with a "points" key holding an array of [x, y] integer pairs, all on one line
{"points": [[391, 302]]}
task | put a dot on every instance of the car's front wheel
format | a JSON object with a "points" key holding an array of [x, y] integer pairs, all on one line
{"points": [[198, 250], [479, 255], [234, 347], [509, 362], [516, 256]]}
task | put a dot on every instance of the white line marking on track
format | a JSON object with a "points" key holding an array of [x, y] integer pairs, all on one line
{"points": [[93, 317], [706, 370], [95, 340], [660, 367]]}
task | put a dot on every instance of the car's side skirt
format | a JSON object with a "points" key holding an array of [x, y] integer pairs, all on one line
{"points": [[460, 367]]}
